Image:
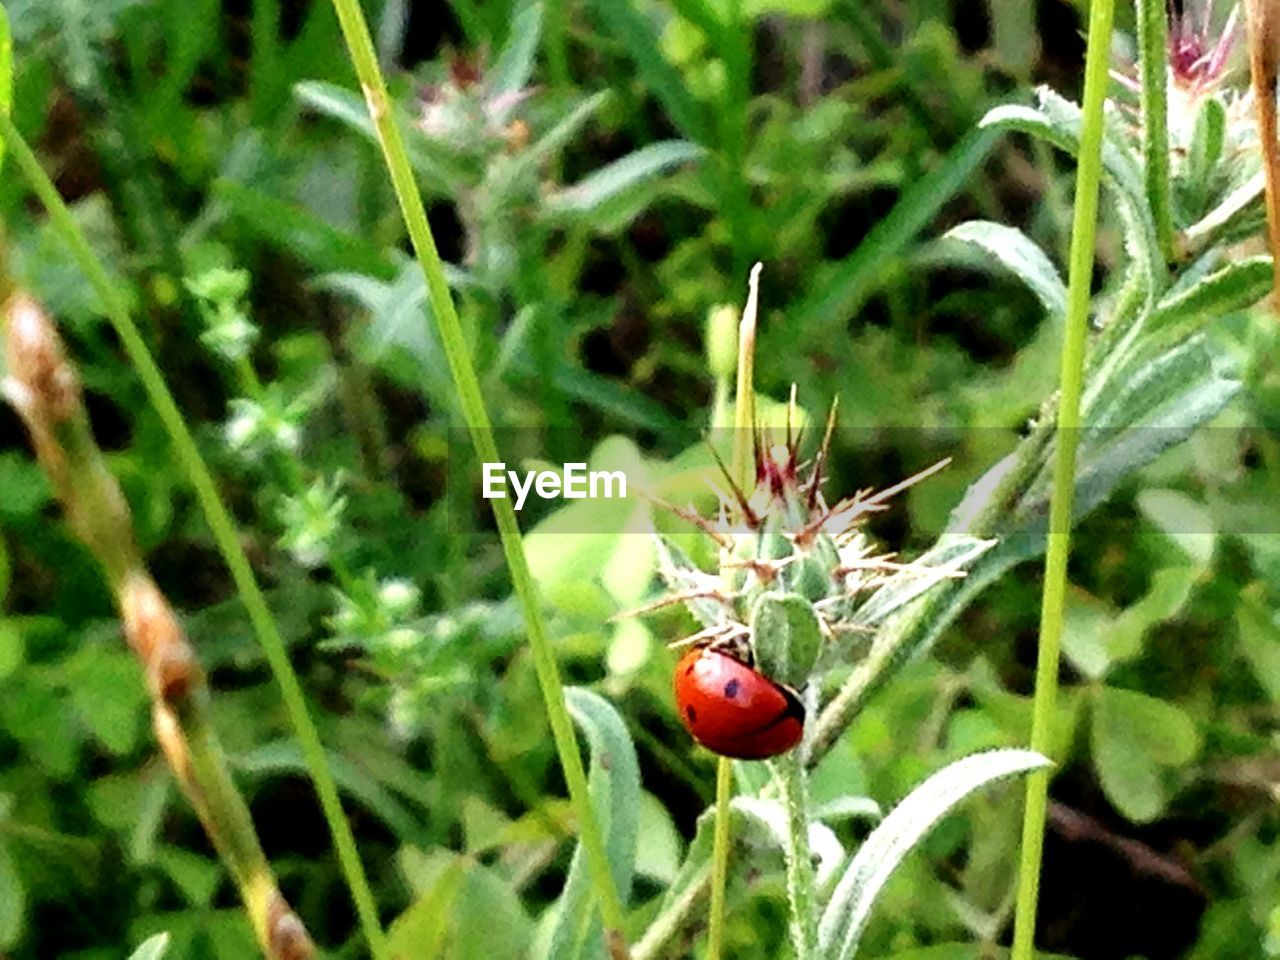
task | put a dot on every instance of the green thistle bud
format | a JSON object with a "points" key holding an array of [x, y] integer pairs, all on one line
{"points": [[798, 577]]}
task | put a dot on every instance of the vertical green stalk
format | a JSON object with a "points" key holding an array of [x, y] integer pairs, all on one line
{"points": [[1080, 276], [1153, 44], [791, 774], [220, 522], [743, 421], [720, 858], [360, 46]]}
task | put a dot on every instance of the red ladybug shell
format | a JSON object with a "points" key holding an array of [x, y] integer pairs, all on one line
{"points": [[733, 710]]}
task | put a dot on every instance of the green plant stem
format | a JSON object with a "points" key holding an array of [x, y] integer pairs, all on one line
{"points": [[360, 46], [743, 419], [720, 858], [221, 524], [1080, 277], [1153, 52], [791, 774]]}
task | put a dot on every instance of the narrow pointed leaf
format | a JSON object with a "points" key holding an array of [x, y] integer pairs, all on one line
{"points": [[614, 782], [153, 948], [514, 64], [1016, 252], [611, 181], [898, 834], [1239, 284]]}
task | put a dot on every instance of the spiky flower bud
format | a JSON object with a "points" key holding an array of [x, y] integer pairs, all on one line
{"points": [[800, 584]]}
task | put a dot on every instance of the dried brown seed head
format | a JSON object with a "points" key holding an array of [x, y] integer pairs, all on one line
{"points": [[42, 384]]}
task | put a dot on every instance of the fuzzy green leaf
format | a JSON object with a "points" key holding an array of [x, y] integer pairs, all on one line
{"points": [[1014, 250], [1160, 406], [764, 824], [1134, 737], [1237, 208], [1259, 634], [898, 834], [608, 186], [464, 910], [565, 129], [759, 828], [1057, 121], [614, 781], [1236, 286], [785, 637]]}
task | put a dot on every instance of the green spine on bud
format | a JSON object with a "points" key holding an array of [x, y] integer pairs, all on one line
{"points": [[786, 637]]}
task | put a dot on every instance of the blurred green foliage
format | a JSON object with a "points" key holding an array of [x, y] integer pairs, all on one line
{"points": [[600, 175]]}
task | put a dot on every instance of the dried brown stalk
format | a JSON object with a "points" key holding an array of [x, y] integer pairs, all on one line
{"points": [[42, 385], [1263, 21]]}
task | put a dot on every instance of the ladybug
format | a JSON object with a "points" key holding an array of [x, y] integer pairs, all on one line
{"points": [[734, 710]]}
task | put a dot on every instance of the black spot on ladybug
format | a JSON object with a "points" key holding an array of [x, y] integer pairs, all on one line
{"points": [[692, 714], [731, 689]]}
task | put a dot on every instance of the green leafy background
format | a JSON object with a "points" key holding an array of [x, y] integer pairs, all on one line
{"points": [[600, 189]]}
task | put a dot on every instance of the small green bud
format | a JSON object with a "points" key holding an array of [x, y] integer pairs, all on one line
{"points": [[722, 342], [785, 637]]}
